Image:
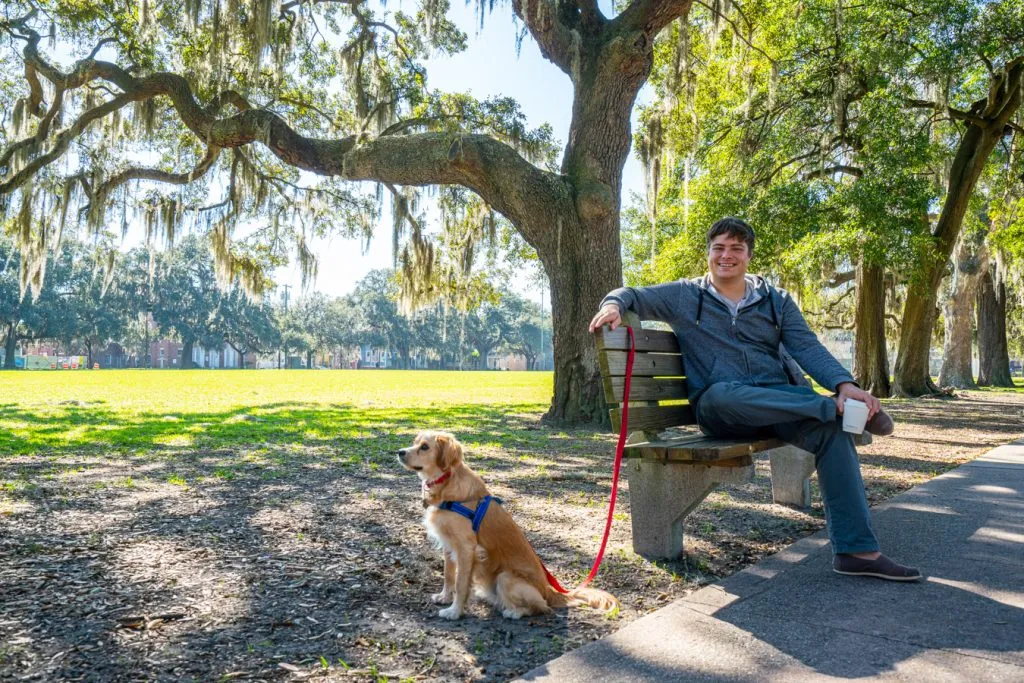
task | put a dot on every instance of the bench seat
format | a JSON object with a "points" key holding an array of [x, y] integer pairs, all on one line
{"points": [[699, 448]]}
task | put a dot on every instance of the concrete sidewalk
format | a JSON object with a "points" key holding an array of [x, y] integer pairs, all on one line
{"points": [[790, 618]]}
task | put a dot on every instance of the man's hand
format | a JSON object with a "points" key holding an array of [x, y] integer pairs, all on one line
{"points": [[609, 314], [849, 390]]}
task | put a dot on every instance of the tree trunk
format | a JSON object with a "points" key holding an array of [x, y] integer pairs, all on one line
{"points": [[959, 314], [10, 341], [993, 352], [983, 132], [186, 354], [88, 351], [241, 355], [583, 262], [309, 360], [870, 359], [588, 269]]}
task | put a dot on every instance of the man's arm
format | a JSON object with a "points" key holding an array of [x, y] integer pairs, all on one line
{"points": [[808, 351], [659, 302], [814, 358]]}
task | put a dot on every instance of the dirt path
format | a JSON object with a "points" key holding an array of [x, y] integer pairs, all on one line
{"points": [[286, 563]]}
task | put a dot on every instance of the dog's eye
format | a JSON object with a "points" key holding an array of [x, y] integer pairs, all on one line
{"points": [[424, 447]]}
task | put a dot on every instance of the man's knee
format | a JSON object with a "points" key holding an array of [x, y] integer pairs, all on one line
{"points": [[719, 393], [833, 442], [717, 400]]}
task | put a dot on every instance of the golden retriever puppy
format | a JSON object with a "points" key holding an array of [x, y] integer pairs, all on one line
{"points": [[496, 560]]}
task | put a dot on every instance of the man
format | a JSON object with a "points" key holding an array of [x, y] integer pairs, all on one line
{"points": [[730, 326]]}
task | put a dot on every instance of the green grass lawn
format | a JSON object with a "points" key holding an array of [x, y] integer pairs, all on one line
{"points": [[1018, 385], [133, 410]]}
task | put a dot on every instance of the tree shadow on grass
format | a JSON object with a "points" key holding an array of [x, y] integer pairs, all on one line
{"points": [[282, 537]]}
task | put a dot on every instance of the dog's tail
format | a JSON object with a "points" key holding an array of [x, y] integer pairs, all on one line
{"points": [[592, 597]]}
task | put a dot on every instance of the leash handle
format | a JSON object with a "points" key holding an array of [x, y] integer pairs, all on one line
{"points": [[619, 449]]}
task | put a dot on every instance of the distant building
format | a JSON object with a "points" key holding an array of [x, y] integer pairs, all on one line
{"points": [[503, 360], [115, 356], [165, 354]]}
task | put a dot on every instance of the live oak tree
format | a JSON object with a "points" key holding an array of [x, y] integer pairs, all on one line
{"points": [[247, 326], [97, 309], [974, 58], [184, 297], [792, 115], [834, 127], [26, 319], [226, 101]]}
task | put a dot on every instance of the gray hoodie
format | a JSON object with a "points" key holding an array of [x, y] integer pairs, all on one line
{"points": [[718, 347]]}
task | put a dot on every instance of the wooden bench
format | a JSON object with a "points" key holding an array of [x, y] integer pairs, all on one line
{"points": [[671, 472]]}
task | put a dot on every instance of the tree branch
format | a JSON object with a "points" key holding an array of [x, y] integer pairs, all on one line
{"points": [[558, 43], [953, 113], [590, 12], [291, 4], [735, 29], [650, 16], [839, 168], [494, 170], [61, 143], [839, 279], [142, 173]]}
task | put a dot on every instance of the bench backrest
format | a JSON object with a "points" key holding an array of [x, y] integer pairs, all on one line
{"points": [[658, 377]]}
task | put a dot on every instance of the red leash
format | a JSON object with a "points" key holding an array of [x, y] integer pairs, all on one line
{"points": [[623, 435]]}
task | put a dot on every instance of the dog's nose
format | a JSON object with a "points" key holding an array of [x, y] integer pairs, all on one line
{"points": [[401, 452]]}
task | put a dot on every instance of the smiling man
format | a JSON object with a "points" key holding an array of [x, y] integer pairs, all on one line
{"points": [[734, 330]]}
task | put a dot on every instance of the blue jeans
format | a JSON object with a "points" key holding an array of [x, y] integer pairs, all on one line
{"points": [[806, 419]]}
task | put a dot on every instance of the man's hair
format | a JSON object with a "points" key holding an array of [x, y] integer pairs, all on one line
{"points": [[732, 227]]}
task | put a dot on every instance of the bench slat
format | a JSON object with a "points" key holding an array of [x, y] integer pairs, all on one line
{"points": [[644, 364], [646, 340], [653, 418], [645, 389], [697, 447]]}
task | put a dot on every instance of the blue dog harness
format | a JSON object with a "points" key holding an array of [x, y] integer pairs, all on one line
{"points": [[475, 516]]}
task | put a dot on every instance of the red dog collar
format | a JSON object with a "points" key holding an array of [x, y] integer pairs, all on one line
{"points": [[440, 480]]}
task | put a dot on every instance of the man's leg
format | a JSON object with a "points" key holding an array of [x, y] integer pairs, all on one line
{"points": [[839, 477], [734, 409], [806, 419]]}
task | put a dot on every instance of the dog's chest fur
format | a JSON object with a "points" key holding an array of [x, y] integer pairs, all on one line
{"points": [[432, 517]]}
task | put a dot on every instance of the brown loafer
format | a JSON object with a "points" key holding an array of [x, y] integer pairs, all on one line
{"points": [[880, 425], [881, 568]]}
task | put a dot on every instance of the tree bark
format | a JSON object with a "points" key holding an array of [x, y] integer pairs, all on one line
{"points": [[993, 352], [10, 341], [582, 258], [985, 128], [186, 354], [870, 358], [959, 314]]}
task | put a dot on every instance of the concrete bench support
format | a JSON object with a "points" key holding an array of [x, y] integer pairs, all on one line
{"points": [[661, 494], [791, 475]]}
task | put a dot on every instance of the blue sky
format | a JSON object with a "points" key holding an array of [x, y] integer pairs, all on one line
{"points": [[489, 66]]}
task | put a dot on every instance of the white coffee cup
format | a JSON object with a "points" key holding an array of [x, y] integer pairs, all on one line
{"points": [[855, 416]]}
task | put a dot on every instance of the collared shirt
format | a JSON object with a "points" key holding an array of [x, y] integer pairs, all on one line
{"points": [[750, 295]]}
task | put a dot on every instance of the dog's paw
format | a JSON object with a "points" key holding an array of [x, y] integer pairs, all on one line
{"points": [[452, 613], [509, 613], [441, 598]]}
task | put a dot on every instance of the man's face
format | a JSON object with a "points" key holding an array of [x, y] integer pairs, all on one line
{"points": [[728, 257]]}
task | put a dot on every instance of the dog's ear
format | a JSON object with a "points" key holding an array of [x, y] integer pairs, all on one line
{"points": [[449, 451]]}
